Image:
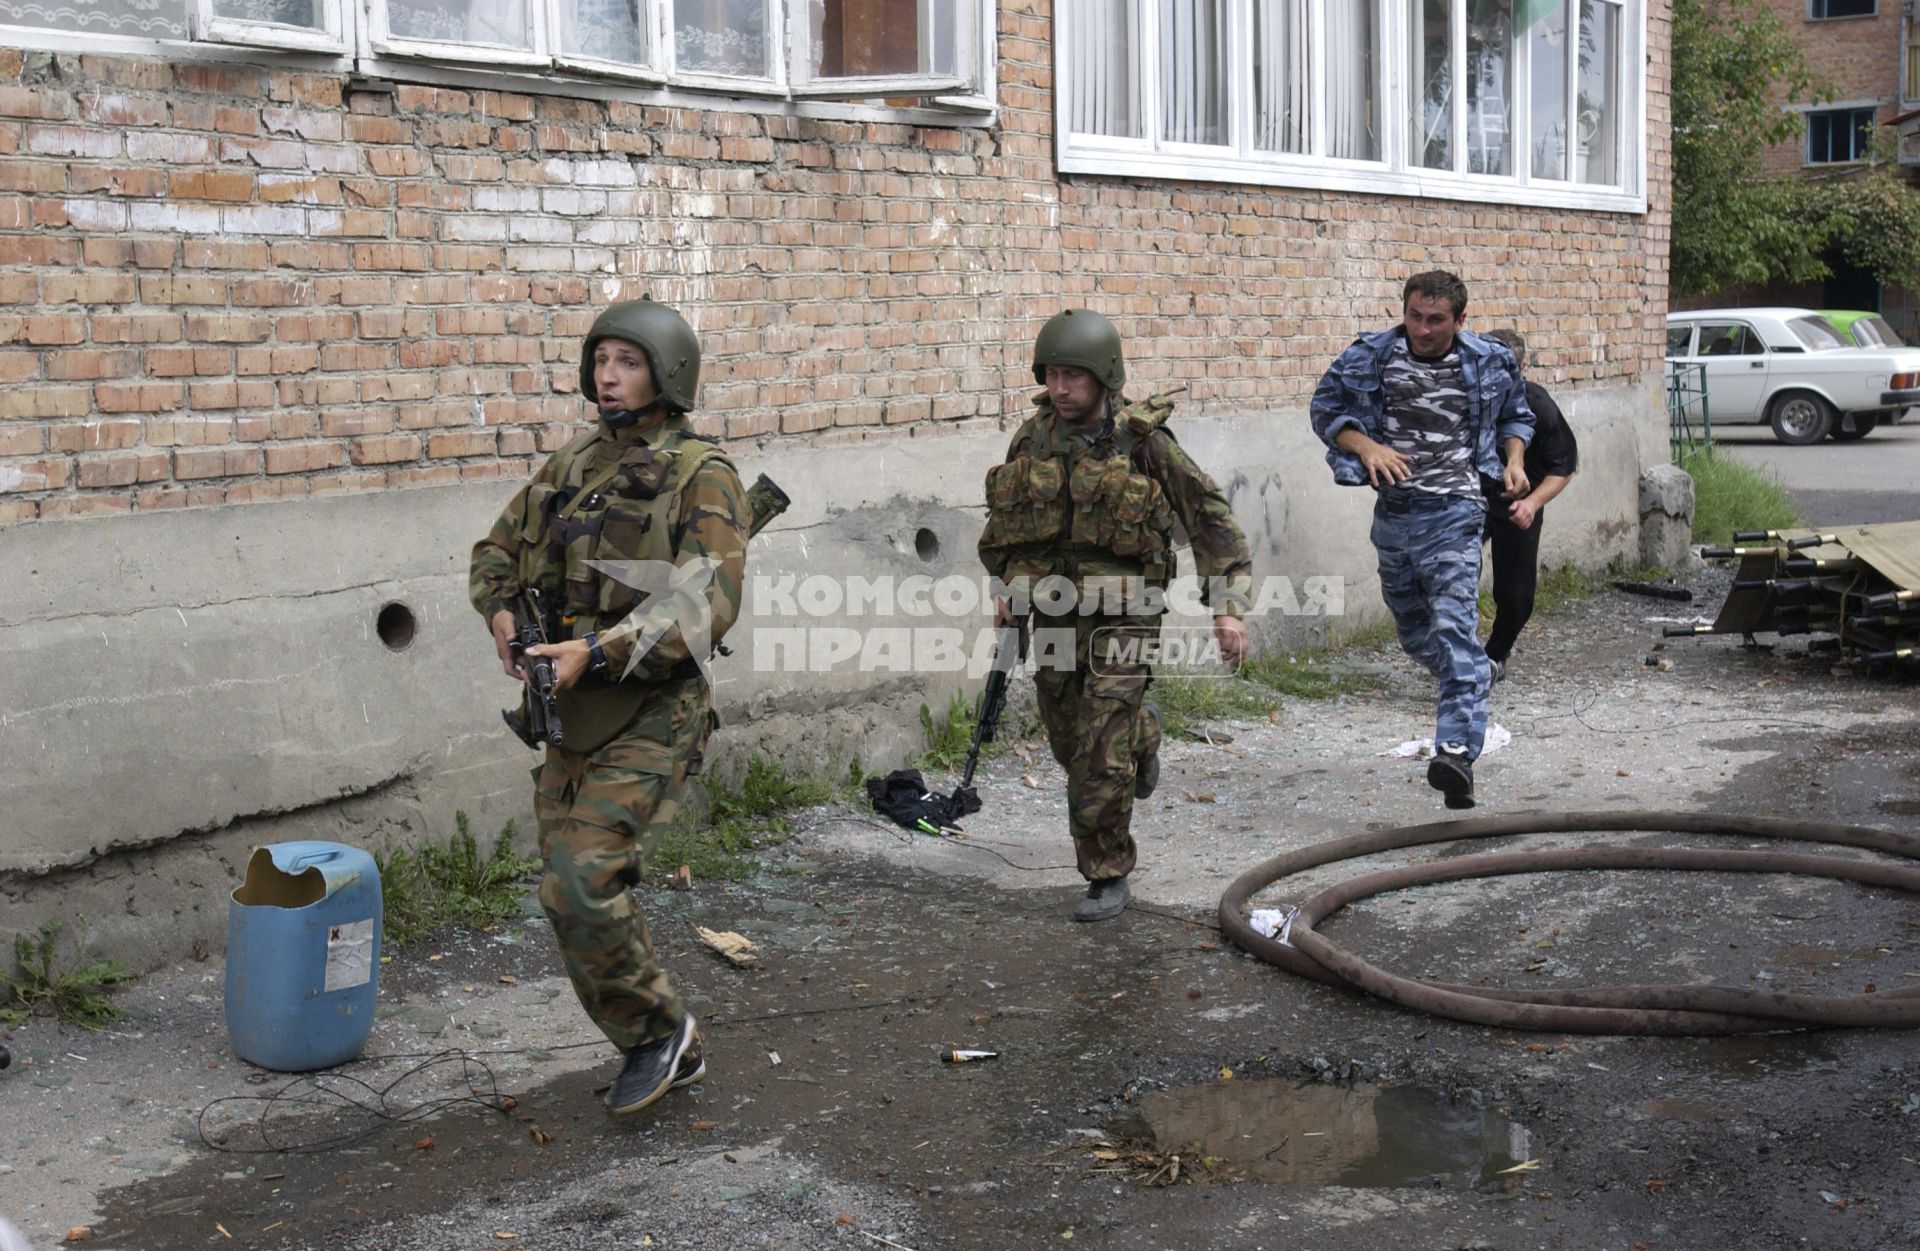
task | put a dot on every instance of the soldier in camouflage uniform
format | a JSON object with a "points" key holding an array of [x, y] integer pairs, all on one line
{"points": [[1089, 492], [1421, 413], [635, 710]]}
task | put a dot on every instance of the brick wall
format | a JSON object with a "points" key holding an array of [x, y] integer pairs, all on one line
{"points": [[1854, 58], [227, 283]]}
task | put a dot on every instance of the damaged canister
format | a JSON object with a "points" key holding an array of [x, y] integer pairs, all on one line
{"points": [[303, 955]]}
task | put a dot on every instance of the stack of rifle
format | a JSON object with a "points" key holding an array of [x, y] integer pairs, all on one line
{"points": [[1858, 587]]}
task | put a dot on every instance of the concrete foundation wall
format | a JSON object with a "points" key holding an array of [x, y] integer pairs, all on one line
{"points": [[185, 686]]}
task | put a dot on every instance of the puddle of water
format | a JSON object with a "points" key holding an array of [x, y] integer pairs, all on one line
{"points": [[1275, 1131]]}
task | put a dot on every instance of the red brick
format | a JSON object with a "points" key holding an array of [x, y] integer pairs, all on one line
{"points": [[137, 397], [89, 288], [215, 462], [211, 184], [45, 401], [453, 443], [94, 436], [23, 440], [305, 457], [77, 364], [188, 431], [56, 507], [185, 289], [136, 327], [48, 474], [385, 449], [117, 469]]}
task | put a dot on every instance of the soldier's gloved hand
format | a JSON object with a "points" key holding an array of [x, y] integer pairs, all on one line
{"points": [[1143, 417]]}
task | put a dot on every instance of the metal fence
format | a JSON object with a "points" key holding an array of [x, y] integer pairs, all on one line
{"points": [[1689, 424]]}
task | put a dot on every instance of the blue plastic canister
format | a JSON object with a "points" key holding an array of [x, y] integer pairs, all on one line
{"points": [[303, 956]]}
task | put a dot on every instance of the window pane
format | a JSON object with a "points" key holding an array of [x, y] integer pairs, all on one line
{"points": [[1353, 78], [721, 36], [607, 29], [306, 13], [1432, 85], [166, 19], [1597, 156], [1280, 76], [1193, 71], [1490, 87], [1817, 9], [1549, 95], [882, 38], [1677, 339], [1105, 48], [500, 22]]}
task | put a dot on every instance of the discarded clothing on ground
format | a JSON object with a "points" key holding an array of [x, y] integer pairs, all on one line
{"points": [[903, 797]]}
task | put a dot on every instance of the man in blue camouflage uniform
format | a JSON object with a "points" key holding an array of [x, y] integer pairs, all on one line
{"points": [[1420, 413]]}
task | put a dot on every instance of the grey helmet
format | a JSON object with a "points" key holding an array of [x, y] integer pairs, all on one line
{"points": [[672, 350], [1080, 337]]}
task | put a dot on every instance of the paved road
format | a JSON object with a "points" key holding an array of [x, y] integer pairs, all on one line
{"points": [[1874, 479]]}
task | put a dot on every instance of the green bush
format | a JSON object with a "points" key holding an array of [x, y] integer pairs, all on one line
{"points": [[1729, 496], [38, 986], [453, 884]]}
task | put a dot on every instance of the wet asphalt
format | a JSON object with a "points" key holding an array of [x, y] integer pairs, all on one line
{"points": [[1151, 1087]]}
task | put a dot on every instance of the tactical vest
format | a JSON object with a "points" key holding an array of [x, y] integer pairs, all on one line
{"points": [[607, 501], [1056, 490]]}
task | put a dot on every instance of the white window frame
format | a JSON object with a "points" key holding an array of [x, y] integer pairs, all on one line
{"points": [[1394, 174], [358, 38], [799, 43], [333, 35]]}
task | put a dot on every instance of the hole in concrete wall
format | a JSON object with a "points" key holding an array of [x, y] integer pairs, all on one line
{"points": [[395, 626], [927, 543]]}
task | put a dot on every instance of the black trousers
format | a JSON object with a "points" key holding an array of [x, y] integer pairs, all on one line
{"points": [[1516, 574]]}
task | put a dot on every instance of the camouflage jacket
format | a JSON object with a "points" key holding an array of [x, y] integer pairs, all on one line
{"points": [[1108, 504], [660, 494]]}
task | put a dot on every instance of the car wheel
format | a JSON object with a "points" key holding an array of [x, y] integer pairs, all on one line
{"points": [[1800, 417], [1864, 424]]}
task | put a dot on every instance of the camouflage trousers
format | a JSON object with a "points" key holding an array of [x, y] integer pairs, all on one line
{"points": [[601, 815], [1430, 578], [1099, 734]]}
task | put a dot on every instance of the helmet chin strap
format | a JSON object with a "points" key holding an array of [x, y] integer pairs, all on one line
{"points": [[621, 418]]}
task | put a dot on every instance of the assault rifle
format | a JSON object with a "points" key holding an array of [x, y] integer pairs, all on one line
{"points": [[993, 702], [542, 723]]}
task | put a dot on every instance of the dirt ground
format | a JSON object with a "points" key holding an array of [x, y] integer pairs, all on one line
{"points": [[1299, 1115]]}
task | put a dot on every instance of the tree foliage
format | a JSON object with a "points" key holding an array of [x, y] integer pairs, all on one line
{"points": [[1732, 61]]}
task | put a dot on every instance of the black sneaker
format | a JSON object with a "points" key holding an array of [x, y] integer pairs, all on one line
{"points": [[1146, 775], [650, 1070], [1106, 898], [1451, 773], [693, 1065]]}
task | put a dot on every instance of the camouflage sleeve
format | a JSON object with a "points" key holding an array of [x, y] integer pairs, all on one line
{"points": [[996, 560], [710, 563], [494, 576], [1220, 553]]}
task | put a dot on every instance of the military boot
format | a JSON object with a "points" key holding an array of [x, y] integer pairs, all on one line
{"points": [[1106, 898]]}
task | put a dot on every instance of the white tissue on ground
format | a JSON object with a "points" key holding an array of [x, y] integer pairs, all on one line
{"points": [[1276, 923], [1498, 736]]}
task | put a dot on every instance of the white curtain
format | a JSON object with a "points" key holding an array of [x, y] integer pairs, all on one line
{"points": [[1193, 71], [1597, 157], [1280, 76], [1353, 76], [1103, 43], [499, 22]]}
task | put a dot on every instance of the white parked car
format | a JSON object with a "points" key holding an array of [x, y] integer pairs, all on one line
{"points": [[1790, 368]]}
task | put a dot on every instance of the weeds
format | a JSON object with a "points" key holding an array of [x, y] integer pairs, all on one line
{"points": [[949, 736], [451, 885], [38, 987], [1186, 703], [1729, 496], [742, 816]]}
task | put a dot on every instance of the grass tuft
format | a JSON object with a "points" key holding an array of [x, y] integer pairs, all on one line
{"points": [[451, 885], [743, 815], [1729, 496], [38, 985]]}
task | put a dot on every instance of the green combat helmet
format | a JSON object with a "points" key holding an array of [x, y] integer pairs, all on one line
{"points": [[1084, 338], [673, 353]]}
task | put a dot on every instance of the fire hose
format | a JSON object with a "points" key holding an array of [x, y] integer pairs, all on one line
{"points": [[1661, 1009]]}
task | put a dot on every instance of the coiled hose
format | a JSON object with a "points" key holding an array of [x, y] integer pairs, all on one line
{"points": [[1670, 1010]]}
